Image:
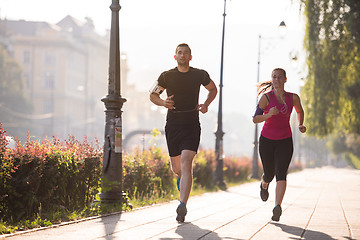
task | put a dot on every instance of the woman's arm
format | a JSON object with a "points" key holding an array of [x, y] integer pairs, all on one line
{"points": [[300, 112], [260, 117]]}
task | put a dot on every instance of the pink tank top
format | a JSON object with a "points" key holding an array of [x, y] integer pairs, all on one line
{"points": [[278, 126]]}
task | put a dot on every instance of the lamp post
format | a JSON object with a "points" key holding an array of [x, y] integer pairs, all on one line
{"points": [[219, 174], [112, 164], [255, 165]]}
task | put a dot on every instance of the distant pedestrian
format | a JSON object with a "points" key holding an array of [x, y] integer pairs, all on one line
{"points": [[276, 144], [182, 129]]}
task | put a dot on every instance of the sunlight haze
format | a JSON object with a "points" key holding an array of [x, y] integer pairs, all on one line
{"points": [[150, 31]]}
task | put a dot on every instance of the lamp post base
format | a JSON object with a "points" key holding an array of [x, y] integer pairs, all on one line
{"points": [[219, 175], [222, 185], [115, 198], [112, 197]]}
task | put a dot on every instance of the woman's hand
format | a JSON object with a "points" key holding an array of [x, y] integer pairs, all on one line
{"points": [[302, 128], [273, 111]]}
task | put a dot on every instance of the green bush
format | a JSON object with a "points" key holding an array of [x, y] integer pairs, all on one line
{"points": [[204, 165], [38, 178], [237, 169], [147, 172], [50, 178], [352, 160]]}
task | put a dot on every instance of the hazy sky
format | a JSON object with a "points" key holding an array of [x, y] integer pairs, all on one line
{"points": [[150, 31]]}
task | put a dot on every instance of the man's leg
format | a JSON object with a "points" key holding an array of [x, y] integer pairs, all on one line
{"points": [[176, 165], [187, 158]]}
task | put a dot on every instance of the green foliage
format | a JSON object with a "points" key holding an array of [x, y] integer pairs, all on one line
{"points": [[146, 172], [13, 102], [236, 169], [336, 143], [346, 144], [353, 160], [331, 94], [39, 178], [5, 228], [204, 165]]}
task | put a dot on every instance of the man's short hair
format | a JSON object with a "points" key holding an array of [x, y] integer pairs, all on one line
{"points": [[183, 45]]}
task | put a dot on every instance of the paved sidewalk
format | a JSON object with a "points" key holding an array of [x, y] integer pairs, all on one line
{"points": [[320, 204]]}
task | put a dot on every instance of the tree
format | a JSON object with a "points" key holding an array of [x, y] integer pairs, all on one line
{"points": [[13, 102], [331, 93]]}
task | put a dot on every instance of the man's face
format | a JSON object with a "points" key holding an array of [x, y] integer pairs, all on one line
{"points": [[183, 55]]}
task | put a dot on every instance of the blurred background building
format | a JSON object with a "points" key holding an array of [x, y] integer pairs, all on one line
{"points": [[65, 72]]}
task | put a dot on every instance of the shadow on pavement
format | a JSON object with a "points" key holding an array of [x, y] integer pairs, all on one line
{"points": [[191, 231], [110, 223], [298, 232]]}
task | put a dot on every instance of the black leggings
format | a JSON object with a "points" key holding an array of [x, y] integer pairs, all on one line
{"points": [[275, 157]]}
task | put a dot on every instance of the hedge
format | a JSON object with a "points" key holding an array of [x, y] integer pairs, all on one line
{"points": [[38, 178]]}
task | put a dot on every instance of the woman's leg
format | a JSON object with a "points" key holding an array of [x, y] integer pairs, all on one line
{"points": [[280, 192], [283, 155], [266, 150]]}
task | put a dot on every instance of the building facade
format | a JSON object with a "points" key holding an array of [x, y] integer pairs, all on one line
{"points": [[65, 73], [65, 69]]}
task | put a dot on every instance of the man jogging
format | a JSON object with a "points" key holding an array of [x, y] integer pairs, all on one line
{"points": [[182, 130]]}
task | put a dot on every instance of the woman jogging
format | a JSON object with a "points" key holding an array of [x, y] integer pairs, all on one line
{"points": [[275, 143]]}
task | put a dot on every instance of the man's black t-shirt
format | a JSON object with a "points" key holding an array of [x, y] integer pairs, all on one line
{"points": [[185, 86]]}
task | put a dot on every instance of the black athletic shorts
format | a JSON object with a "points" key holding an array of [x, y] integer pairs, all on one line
{"points": [[182, 137]]}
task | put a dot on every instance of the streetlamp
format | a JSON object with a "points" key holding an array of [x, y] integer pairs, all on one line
{"points": [[219, 174], [112, 164], [255, 166]]}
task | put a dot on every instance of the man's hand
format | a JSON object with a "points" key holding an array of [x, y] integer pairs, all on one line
{"points": [[202, 108], [169, 103]]}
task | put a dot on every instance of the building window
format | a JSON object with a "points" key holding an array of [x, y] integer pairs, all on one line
{"points": [[49, 60], [48, 107], [49, 80], [26, 57], [27, 80]]}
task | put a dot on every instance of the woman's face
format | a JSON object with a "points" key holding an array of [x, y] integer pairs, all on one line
{"points": [[278, 79]]}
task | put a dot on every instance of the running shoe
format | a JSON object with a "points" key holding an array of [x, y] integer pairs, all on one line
{"points": [[264, 193], [277, 211], [181, 212], [178, 182]]}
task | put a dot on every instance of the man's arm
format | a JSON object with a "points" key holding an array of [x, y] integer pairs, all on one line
{"points": [[210, 97], [157, 100]]}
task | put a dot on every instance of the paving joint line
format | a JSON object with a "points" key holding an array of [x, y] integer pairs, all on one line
{"points": [[308, 222], [346, 220]]}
